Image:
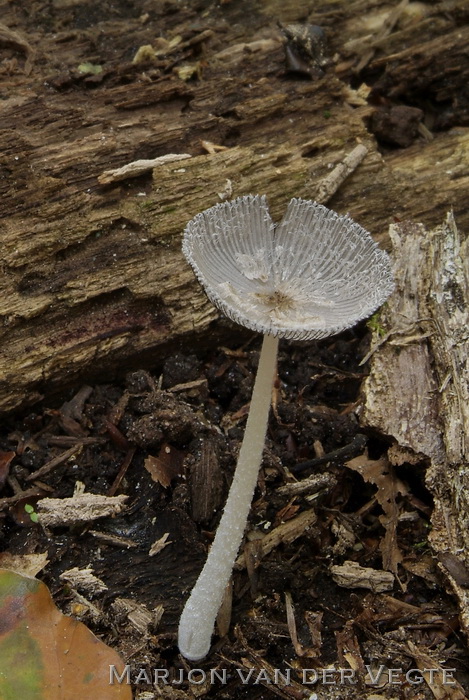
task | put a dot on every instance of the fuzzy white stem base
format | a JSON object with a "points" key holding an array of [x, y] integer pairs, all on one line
{"points": [[199, 614]]}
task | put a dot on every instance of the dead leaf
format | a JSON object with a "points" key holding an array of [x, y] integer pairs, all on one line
{"points": [[46, 655], [442, 686], [381, 473], [456, 567], [314, 622], [26, 564], [5, 461], [166, 466], [349, 648], [292, 625], [286, 513], [423, 566]]}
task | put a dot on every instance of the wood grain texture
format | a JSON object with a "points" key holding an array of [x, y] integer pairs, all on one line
{"points": [[93, 281], [417, 390]]}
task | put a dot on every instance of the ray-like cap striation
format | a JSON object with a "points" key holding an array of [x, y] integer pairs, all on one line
{"points": [[314, 274]]}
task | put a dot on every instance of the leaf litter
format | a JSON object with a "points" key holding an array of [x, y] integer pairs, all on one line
{"points": [[320, 510]]}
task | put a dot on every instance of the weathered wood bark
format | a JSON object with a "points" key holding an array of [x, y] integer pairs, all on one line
{"points": [[418, 388], [92, 275]]}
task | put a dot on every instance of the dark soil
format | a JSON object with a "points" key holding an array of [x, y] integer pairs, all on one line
{"points": [[196, 407]]}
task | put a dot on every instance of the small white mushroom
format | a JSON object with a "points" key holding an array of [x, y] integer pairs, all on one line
{"points": [[312, 275]]}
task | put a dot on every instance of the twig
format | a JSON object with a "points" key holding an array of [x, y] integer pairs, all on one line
{"points": [[57, 461], [138, 167], [355, 448], [330, 184], [125, 465], [12, 500]]}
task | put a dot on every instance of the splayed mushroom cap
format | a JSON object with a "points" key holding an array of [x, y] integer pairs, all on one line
{"points": [[314, 274]]}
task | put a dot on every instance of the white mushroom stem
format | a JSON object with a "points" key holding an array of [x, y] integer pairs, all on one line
{"points": [[199, 614]]}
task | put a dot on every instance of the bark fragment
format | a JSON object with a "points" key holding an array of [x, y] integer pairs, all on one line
{"points": [[418, 388]]}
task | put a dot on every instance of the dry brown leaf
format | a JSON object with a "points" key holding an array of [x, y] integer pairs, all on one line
{"points": [[292, 625], [442, 685], [314, 622], [286, 513], [349, 648], [61, 657], [423, 566], [5, 461], [381, 473], [166, 466], [26, 564]]}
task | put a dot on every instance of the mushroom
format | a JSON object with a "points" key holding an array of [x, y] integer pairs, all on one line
{"points": [[312, 275]]}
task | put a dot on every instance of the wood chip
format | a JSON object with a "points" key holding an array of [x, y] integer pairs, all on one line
{"points": [[330, 184], [137, 614], [84, 579], [159, 545], [313, 484], [205, 481], [22, 495], [212, 148], [84, 609], [138, 167], [285, 533], [235, 53], [9, 37], [291, 622], [188, 386], [122, 542], [56, 512], [224, 613], [418, 393], [352, 575]]}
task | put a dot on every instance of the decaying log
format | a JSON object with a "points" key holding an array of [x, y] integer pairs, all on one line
{"points": [[93, 281], [418, 388]]}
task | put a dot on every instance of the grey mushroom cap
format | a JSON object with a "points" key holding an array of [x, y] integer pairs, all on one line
{"points": [[312, 275]]}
